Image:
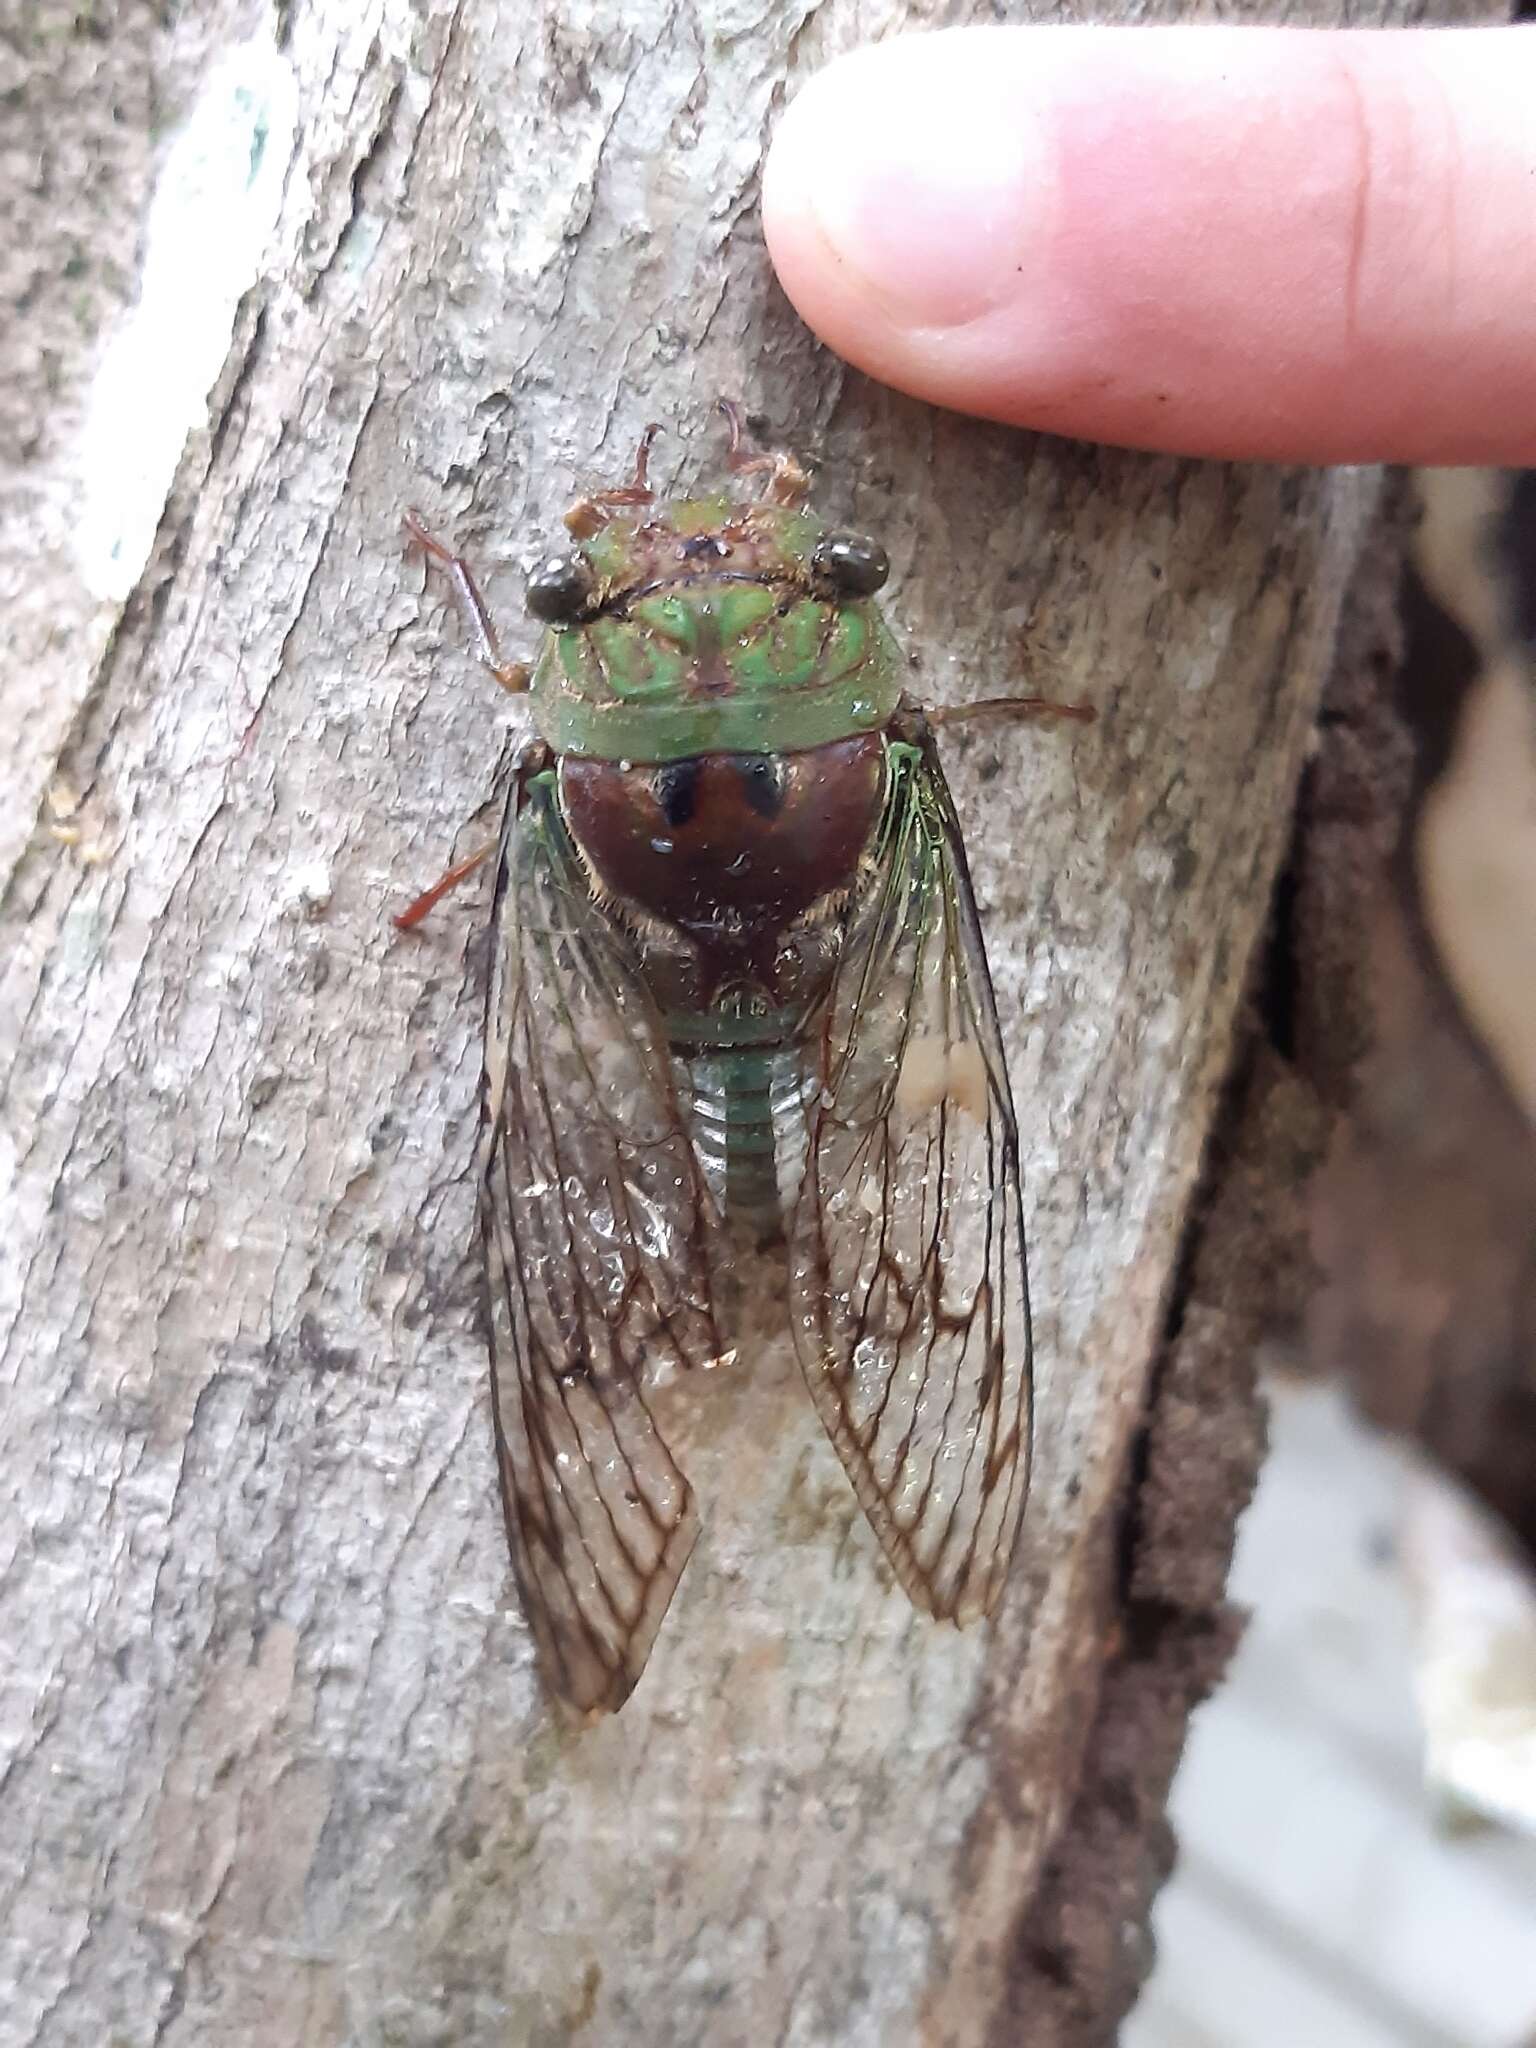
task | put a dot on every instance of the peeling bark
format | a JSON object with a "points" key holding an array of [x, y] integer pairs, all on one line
{"points": [[276, 1767]]}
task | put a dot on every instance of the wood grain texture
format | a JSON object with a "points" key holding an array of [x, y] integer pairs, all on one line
{"points": [[276, 1768]]}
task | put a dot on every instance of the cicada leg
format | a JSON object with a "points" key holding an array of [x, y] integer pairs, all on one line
{"points": [[590, 514], [412, 915], [788, 480], [533, 756], [512, 675]]}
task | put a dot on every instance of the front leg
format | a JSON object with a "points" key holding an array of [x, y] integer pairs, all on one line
{"points": [[512, 675]]}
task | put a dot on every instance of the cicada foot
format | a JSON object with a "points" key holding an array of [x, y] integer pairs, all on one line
{"points": [[788, 478], [512, 675]]}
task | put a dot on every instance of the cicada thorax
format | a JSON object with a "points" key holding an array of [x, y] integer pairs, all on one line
{"points": [[694, 633], [730, 849]]}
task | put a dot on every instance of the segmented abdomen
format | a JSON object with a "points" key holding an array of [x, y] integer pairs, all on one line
{"points": [[746, 1106]]}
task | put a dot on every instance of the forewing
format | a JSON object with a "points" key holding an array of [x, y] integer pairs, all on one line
{"points": [[597, 1230], [910, 1302]]}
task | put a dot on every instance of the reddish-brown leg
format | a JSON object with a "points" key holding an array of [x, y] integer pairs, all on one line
{"points": [[588, 515], [788, 480], [413, 913], [512, 675]]}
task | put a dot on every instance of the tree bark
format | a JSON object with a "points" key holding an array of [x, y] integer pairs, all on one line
{"points": [[277, 1766]]}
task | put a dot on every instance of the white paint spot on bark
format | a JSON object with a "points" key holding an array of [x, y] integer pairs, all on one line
{"points": [[206, 234]]}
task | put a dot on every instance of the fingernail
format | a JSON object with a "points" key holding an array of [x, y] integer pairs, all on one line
{"points": [[928, 183]]}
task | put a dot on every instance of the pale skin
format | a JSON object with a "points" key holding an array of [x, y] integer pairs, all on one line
{"points": [[1277, 244]]}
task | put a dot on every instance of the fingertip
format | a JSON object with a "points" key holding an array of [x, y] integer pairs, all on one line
{"points": [[900, 176], [1241, 242]]}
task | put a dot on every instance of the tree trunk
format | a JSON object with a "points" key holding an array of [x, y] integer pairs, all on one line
{"points": [[278, 1768]]}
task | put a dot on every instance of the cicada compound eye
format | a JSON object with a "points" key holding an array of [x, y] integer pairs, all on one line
{"points": [[849, 565], [561, 589]]}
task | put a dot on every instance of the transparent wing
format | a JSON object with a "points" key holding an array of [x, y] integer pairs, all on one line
{"points": [[597, 1230], [910, 1303]]}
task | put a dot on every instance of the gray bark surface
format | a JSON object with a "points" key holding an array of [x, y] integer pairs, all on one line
{"points": [[276, 1767]]}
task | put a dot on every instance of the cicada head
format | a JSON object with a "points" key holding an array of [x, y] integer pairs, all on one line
{"points": [[704, 625]]}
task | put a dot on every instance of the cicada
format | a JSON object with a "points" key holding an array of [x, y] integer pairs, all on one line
{"points": [[738, 1000]]}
